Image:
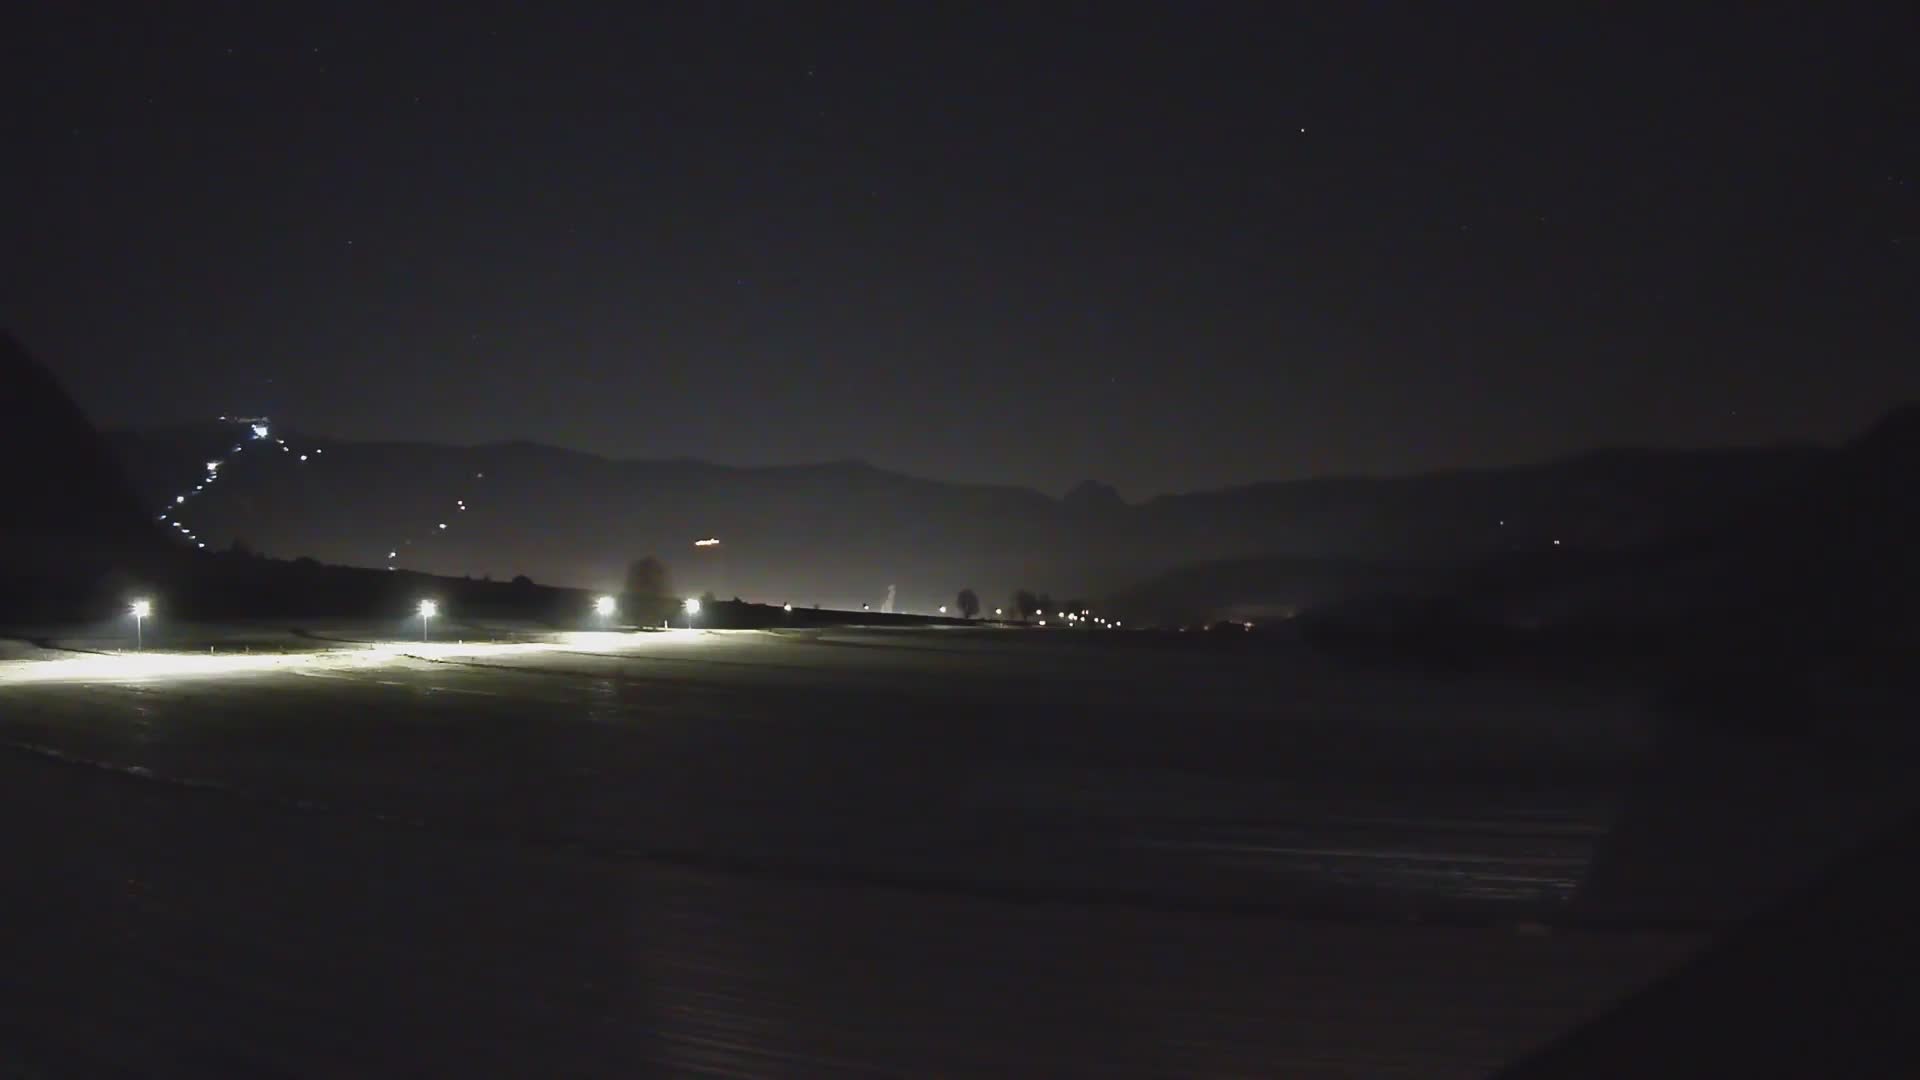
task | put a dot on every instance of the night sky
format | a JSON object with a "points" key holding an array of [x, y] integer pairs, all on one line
{"points": [[1029, 245]]}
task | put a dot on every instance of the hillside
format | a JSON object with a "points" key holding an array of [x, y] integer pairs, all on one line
{"points": [[70, 522], [1822, 557]]}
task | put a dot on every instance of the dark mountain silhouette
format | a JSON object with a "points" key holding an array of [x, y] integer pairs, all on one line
{"points": [[1836, 553], [839, 533], [1094, 496], [1793, 544], [70, 522]]}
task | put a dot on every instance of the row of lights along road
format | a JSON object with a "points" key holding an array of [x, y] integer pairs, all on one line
{"points": [[605, 607]]}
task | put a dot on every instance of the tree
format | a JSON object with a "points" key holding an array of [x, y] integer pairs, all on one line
{"points": [[1026, 604], [969, 604], [647, 579]]}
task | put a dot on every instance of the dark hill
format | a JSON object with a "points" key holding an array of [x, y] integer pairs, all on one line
{"points": [[1840, 552], [70, 523]]}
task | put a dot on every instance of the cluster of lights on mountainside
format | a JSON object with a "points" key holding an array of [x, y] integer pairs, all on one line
{"points": [[258, 431]]}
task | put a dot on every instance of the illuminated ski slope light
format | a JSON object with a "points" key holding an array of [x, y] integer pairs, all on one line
{"points": [[603, 606]]}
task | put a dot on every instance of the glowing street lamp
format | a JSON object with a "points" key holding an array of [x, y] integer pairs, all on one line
{"points": [[428, 609], [139, 609], [943, 609], [692, 608], [604, 607]]}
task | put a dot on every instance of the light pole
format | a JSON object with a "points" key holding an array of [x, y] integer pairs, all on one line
{"points": [[428, 609], [692, 608], [139, 609]]}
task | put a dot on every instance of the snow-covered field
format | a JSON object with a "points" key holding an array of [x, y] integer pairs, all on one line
{"points": [[920, 850]]}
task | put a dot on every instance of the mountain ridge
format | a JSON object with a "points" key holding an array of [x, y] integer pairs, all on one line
{"points": [[840, 532], [1091, 487]]}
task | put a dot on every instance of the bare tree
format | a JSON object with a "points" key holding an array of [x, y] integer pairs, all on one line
{"points": [[969, 603], [1025, 603], [647, 579]]}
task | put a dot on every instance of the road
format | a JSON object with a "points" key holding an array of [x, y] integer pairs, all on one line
{"points": [[827, 852]]}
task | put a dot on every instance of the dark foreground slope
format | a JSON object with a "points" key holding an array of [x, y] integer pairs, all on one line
{"points": [[1822, 985]]}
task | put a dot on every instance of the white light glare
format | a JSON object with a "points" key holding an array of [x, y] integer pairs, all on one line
{"points": [[428, 609], [710, 541], [692, 606], [178, 499], [786, 607], [140, 609], [213, 466], [943, 609], [259, 431], [603, 606]]}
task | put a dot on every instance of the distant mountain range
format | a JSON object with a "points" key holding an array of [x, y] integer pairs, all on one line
{"points": [[1801, 539], [839, 533]]}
